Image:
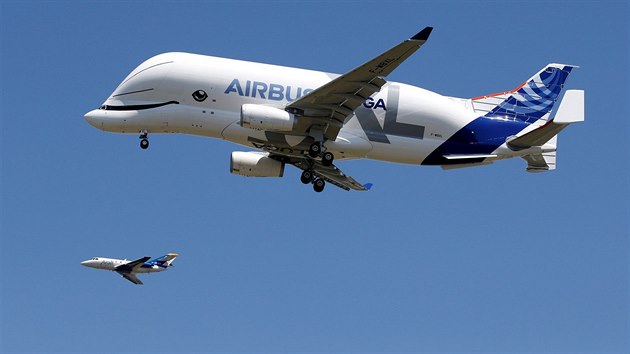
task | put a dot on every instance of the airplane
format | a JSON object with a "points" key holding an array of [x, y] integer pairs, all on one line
{"points": [[309, 119], [129, 269]]}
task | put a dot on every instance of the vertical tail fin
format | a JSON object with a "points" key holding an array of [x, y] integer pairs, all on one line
{"points": [[164, 261], [531, 101]]}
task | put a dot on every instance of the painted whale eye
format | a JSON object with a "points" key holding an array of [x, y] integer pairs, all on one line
{"points": [[200, 95]]}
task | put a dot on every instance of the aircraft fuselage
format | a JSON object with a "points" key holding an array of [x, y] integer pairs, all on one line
{"points": [[112, 263], [202, 95], [309, 119]]}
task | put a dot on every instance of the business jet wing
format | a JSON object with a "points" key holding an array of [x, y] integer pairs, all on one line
{"points": [[330, 174], [331, 104], [131, 277], [131, 266]]}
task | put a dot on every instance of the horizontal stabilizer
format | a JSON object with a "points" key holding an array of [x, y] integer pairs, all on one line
{"points": [[541, 162], [571, 110], [537, 137]]}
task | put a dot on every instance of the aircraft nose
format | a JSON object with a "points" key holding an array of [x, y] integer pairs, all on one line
{"points": [[92, 118], [86, 263]]}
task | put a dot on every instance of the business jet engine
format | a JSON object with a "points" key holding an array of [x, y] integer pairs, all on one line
{"points": [[255, 164]]}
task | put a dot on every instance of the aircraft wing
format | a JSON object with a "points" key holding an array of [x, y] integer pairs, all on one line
{"points": [[131, 266], [131, 277], [330, 174], [331, 104]]}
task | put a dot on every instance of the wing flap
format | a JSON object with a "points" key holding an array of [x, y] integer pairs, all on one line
{"points": [[331, 174], [334, 175]]}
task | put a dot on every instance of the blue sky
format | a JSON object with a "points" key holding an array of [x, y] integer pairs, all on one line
{"points": [[488, 259]]}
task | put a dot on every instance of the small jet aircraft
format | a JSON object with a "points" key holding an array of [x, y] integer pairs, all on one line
{"points": [[128, 269], [309, 119]]}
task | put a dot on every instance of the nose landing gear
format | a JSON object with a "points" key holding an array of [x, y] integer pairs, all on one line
{"points": [[144, 139]]}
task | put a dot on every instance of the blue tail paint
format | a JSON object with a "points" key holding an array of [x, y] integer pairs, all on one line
{"points": [[535, 98], [510, 113]]}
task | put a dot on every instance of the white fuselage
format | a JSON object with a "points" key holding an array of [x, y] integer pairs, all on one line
{"points": [[112, 263], [203, 95]]}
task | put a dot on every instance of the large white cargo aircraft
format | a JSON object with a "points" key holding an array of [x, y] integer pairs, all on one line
{"points": [[309, 118], [128, 269]]}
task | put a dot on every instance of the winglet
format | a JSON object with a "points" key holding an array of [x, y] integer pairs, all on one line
{"points": [[423, 35], [368, 186]]}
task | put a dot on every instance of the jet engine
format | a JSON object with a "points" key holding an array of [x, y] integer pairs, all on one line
{"points": [[255, 164], [259, 117]]}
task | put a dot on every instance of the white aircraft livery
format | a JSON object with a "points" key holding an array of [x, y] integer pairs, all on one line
{"points": [[128, 269], [310, 119]]}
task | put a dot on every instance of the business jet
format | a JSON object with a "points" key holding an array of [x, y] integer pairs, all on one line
{"points": [[128, 269], [311, 119]]}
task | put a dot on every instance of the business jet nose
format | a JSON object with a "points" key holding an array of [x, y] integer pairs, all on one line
{"points": [[92, 117], [89, 263]]}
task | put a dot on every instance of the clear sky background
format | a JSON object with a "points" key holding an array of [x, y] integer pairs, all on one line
{"points": [[489, 259]]}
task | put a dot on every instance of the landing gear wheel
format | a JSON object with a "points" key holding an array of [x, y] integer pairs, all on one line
{"points": [[306, 177], [144, 135], [327, 158], [314, 150], [319, 185]]}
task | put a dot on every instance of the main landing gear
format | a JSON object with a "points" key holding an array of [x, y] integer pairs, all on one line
{"points": [[315, 150], [308, 177], [318, 185], [327, 158], [144, 139]]}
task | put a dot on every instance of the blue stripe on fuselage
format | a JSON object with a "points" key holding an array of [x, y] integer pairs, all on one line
{"points": [[480, 137]]}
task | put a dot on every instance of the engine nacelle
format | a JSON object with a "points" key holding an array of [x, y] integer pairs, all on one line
{"points": [[259, 117], [255, 164]]}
